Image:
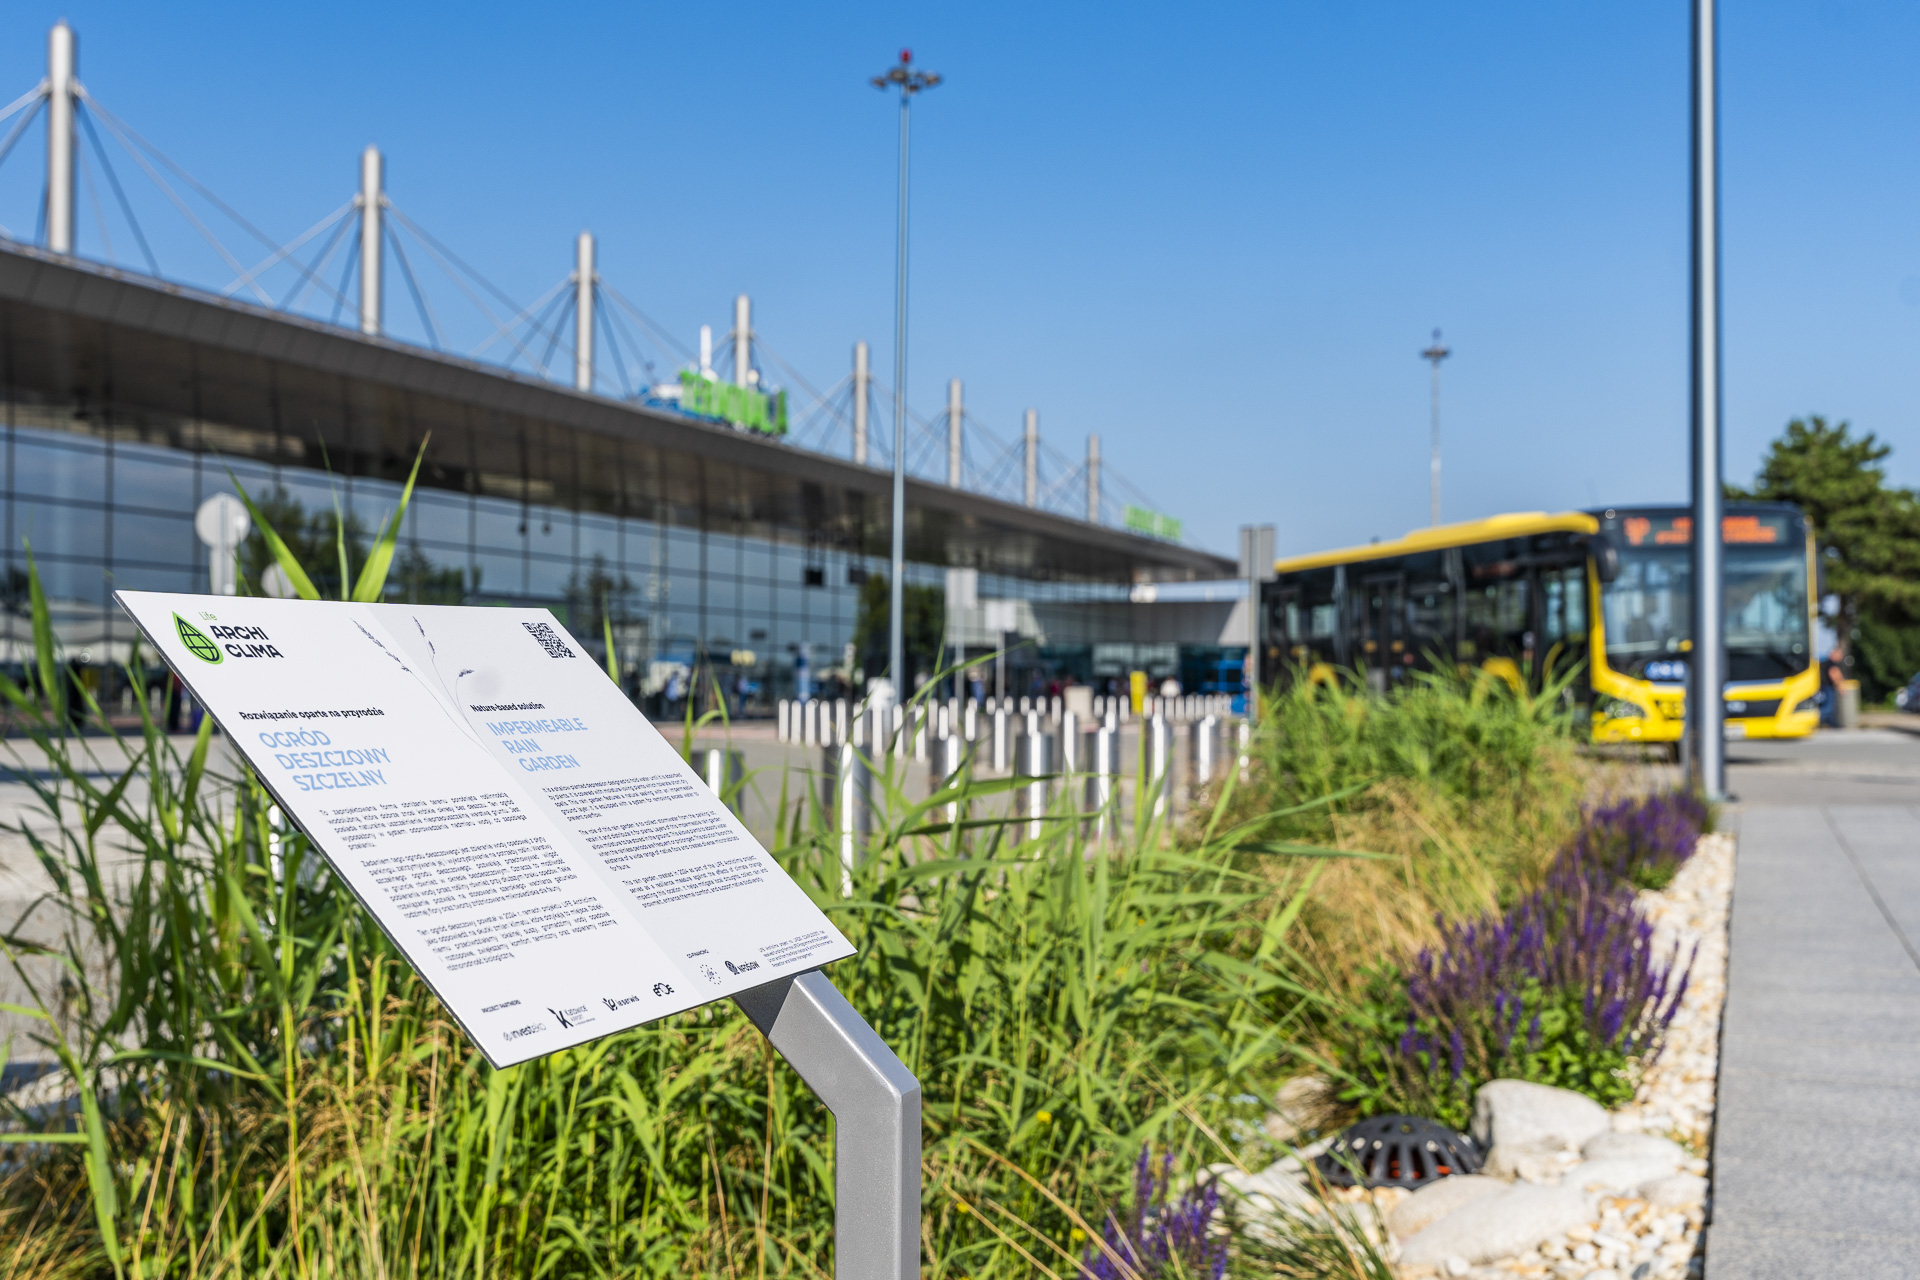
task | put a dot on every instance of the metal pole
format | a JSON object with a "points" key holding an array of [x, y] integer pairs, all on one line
{"points": [[1705, 711], [1033, 457], [742, 340], [1256, 566], [61, 55], [583, 279], [706, 350], [956, 414], [896, 634], [371, 184], [862, 379], [1435, 354], [875, 1103], [1093, 479]]}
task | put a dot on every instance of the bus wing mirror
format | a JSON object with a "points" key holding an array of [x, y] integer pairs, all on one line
{"points": [[1606, 558]]}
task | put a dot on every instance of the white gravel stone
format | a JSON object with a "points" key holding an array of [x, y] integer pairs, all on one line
{"points": [[1634, 1146], [1675, 1191], [1621, 1174], [1436, 1200], [1528, 1116], [1498, 1226]]}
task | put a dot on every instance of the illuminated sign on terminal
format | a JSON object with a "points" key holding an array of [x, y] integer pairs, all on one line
{"points": [[748, 408], [1153, 524]]}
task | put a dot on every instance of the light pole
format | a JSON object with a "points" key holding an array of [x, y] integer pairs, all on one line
{"points": [[909, 82], [1435, 354], [1707, 759]]}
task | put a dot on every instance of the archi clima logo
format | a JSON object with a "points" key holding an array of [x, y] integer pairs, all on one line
{"points": [[196, 640]]}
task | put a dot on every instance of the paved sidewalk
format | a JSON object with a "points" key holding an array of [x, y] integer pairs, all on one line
{"points": [[1816, 1163]]}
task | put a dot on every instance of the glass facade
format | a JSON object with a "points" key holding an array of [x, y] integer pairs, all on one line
{"points": [[124, 407]]}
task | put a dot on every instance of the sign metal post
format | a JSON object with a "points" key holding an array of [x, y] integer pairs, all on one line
{"points": [[875, 1103]]}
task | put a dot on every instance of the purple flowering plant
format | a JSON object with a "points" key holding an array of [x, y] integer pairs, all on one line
{"points": [[1565, 987], [1157, 1238]]}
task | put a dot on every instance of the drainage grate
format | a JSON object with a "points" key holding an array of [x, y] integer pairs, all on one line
{"points": [[1397, 1151]]}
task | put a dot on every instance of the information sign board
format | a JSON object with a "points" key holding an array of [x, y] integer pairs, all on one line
{"points": [[542, 856]]}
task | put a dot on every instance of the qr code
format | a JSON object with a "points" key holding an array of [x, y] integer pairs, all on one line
{"points": [[549, 639]]}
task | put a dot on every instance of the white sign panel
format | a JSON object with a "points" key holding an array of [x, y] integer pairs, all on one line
{"points": [[544, 858]]}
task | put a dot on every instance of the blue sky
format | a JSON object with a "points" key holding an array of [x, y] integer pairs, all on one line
{"points": [[1217, 235]]}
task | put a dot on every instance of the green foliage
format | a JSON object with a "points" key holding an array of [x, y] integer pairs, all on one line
{"points": [[287, 1099], [1376, 1078], [924, 608], [926, 624], [1868, 532], [1473, 738]]}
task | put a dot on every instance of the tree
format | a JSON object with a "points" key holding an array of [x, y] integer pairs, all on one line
{"points": [[1868, 535], [314, 537], [925, 611]]}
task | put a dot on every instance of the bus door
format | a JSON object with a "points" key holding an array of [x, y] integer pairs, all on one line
{"points": [[1283, 639], [1383, 629]]}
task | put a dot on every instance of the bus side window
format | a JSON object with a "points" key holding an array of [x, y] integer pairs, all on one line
{"points": [[1496, 602], [1430, 606], [1564, 608]]}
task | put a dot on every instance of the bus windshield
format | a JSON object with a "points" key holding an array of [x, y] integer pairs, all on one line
{"points": [[1648, 623]]}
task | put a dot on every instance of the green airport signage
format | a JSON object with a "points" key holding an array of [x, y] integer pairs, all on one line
{"points": [[1153, 524], [745, 407]]}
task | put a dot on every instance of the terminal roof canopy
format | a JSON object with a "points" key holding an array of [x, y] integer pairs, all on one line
{"points": [[131, 358]]}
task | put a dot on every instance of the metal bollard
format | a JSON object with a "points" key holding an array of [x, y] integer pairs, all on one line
{"points": [[784, 710], [950, 759], [1243, 732], [970, 721], [722, 771], [1071, 751], [1036, 762], [1002, 739], [852, 809], [840, 720], [1203, 751], [919, 726], [1156, 767], [1104, 783]]}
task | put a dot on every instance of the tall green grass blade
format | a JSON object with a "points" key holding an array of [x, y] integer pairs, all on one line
{"points": [[282, 554], [372, 582]]}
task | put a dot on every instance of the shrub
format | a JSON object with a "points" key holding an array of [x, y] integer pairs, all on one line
{"points": [[1642, 840], [1465, 788], [1158, 1240], [1564, 988]]}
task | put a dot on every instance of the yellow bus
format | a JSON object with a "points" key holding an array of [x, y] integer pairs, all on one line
{"points": [[1527, 595]]}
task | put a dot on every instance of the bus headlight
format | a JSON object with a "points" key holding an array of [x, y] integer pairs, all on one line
{"points": [[1619, 709]]}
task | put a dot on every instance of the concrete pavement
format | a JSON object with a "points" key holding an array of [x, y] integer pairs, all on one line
{"points": [[1815, 1170]]}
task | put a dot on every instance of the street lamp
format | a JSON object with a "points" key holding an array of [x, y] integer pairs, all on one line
{"points": [[1707, 757], [909, 82], [1435, 354]]}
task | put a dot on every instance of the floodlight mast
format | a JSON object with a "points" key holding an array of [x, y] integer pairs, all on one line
{"points": [[909, 82], [1435, 354]]}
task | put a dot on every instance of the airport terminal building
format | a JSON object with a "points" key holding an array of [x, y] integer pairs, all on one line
{"points": [[128, 401]]}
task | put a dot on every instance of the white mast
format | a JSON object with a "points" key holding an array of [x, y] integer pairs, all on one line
{"points": [[60, 93], [956, 413], [1033, 457], [371, 198], [742, 340], [583, 278], [862, 379], [1093, 479]]}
